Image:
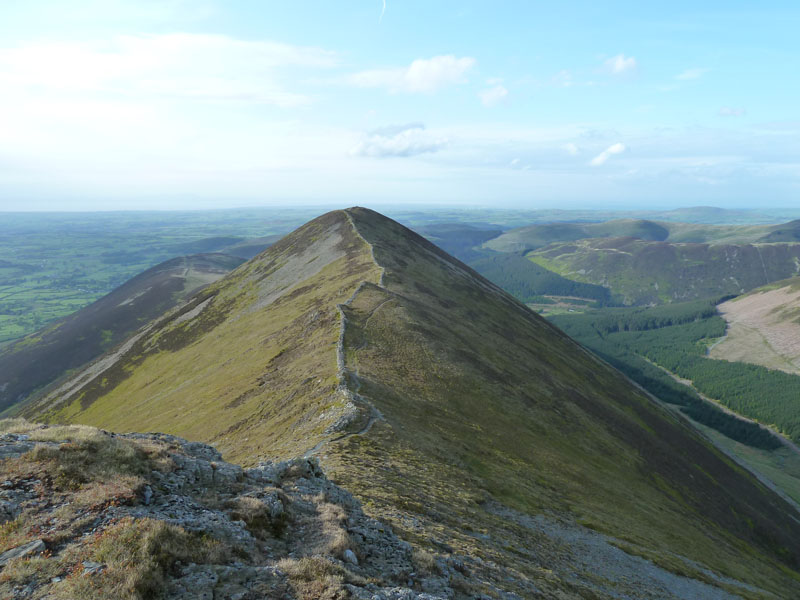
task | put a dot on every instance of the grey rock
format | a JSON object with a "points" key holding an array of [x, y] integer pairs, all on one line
{"points": [[92, 568], [350, 556], [34, 547]]}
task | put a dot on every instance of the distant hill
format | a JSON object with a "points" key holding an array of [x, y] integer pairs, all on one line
{"points": [[461, 241], [787, 232], [537, 236], [527, 281], [40, 358], [245, 248], [533, 237], [645, 272], [501, 452], [250, 247]]}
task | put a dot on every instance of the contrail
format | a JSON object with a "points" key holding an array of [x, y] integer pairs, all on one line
{"points": [[383, 11]]}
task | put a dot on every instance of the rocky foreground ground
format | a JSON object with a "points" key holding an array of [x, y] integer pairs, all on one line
{"points": [[88, 514], [91, 514]]}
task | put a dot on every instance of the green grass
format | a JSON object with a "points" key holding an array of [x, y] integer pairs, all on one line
{"points": [[239, 402], [483, 402]]}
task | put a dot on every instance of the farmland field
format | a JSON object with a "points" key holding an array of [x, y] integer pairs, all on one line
{"points": [[52, 264]]}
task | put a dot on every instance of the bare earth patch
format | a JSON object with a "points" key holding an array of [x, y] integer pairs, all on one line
{"points": [[762, 330]]}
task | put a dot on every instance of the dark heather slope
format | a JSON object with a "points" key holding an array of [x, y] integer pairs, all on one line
{"points": [[645, 272], [40, 358], [470, 425]]}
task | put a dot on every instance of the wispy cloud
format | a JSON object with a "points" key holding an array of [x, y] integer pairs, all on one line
{"points": [[563, 79], [727, 111], [194, 66], [571, 149], [421, 76], [621, 65], [689, 74], [603, 157], [398, 141], [494, 95]]}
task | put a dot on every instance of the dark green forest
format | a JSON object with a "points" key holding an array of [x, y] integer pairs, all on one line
{"points": [[640, 340]]}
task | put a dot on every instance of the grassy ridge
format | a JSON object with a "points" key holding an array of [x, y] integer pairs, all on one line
{"points": [[477, 406], [273, 322]]}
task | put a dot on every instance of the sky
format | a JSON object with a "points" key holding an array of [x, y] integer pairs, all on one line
{"points": [[179, 104]]}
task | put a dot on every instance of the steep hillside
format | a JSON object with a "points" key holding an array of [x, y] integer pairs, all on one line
{"points": [[763, 327], [656, 272], [40, 358], [472, 427]]}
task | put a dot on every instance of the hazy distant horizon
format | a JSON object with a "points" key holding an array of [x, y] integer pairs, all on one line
{"points": [[776, 211]]}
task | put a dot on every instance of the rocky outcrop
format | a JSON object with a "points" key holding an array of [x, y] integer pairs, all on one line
{"points": [[289, 532]]}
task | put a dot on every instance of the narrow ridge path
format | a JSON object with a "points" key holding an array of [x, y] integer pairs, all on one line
{"points": [[374, 414]]}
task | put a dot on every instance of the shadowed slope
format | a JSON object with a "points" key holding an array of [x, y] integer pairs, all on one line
{"points": [[486, 400], [453, 412], [656, 272], [40, 358]]}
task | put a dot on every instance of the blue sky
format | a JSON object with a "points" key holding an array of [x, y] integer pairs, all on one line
{"points": [[111, 104]]}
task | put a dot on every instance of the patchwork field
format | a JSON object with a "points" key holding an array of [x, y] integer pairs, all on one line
{"points": [[53, 264]]}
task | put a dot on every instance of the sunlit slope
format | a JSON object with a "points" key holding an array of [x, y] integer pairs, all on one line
{"points": [[763, 327], [645, 272], [40, 358], [449, 409], [249, 363]]}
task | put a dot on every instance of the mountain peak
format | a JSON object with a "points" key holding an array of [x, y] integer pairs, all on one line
{"points": [[458, 416]]}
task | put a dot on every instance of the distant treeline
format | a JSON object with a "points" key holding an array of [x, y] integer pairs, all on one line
{"points": [[638, 341], [528, 281]]}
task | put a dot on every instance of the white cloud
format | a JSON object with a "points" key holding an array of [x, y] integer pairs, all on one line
{"points": [[494, 95], [688, 74], [422, 75], [727, 111], [563, 78], [621, 65], [210, 67], [601, 158], [398, 141], [571, 149]]}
